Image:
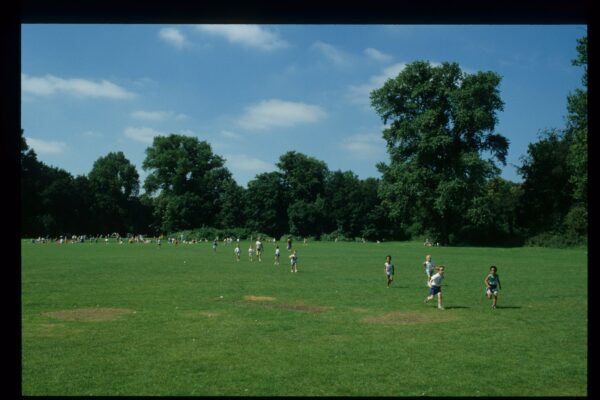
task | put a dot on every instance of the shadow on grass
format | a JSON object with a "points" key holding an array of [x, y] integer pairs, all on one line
{"points": [[507, 307], [451, 307]]}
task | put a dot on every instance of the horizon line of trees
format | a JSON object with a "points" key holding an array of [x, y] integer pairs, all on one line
{"points": [[439, 123]]}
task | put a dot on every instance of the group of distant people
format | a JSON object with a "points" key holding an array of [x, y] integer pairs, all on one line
{"points": [[258, 250], [434, 280]]}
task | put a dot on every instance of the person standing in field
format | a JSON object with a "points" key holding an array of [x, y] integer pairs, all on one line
{"points": [[294, 261], [388, 268], [436, 286], [277, 254], [429, 267], [492, 284], [289, 244], [258, 249], [214, 245], [237, 252], [250, 252]]}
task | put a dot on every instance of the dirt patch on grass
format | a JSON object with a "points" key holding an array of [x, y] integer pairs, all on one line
{"points": [[409, 318], [89, 314], [259, 298]]}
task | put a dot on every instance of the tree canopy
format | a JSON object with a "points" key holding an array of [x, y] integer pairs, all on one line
{"points": [[440, 122]]}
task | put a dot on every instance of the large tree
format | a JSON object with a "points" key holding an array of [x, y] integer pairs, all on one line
{"points": [[30, 189], [185, 181], [349, 202], [266, 205], [52, 201], [115, 185], [577, 134], [547, 190], [304, 180], [555, 176], [441, 122]]}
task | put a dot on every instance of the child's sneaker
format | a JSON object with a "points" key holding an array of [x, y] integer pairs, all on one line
{"points": [[493, 307], [441, 308]]}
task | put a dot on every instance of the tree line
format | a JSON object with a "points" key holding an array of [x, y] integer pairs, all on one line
{"points": [[442, 180]]}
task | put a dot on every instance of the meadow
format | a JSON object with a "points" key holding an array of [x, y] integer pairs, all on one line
{"points": [[139, 319]]}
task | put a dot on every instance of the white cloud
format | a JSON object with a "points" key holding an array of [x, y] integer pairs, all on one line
{"points": [[49, 84], [246, 35], [377, 55], [173, 37], [242, 162], [157, 115], [144, 135], [231, 135], [45, 147], [365, 146], [360, 93], [330, 52], [279, 113]]}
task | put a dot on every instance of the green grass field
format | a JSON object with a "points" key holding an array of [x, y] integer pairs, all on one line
{"points": [[109, 319]]}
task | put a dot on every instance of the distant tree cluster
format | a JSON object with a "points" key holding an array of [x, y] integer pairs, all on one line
{"points": [[442, 180], [189, 187]]}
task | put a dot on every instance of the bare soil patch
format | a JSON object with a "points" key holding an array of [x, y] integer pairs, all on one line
{"points": [[310, 308], [89, 314], [259, 298]]}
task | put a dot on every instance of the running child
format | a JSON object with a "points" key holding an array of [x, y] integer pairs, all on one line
{"points": [[294, 261], [259, 249], [237, 252], [436, 286], [388, 268], [429, 267], [492, 284], [277, 254], [250, 252]]}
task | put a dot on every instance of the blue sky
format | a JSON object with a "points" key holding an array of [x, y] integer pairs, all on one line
{"points": [[255, 92]]}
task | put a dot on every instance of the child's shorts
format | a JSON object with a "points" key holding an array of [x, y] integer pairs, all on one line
{"points": [[434, 290], [492, 290]]}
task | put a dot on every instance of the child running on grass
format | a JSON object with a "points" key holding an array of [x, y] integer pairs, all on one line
{"points": [[436, 286], [388, 268], [250, 252], [492, 284], [237, 252], [429, 266], [259, 249], [294, 261], [277, 254]]}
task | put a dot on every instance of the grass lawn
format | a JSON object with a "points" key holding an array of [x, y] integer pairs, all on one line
{"points": [[133, 319]]}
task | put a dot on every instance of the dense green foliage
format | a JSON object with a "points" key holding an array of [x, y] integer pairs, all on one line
{"points": [[441, 182], [440, 122], [554, 205], [189, 329]]}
